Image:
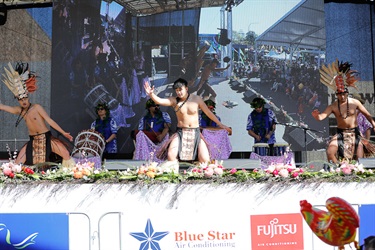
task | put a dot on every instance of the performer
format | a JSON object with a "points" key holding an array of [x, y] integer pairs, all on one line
{"points": [[22, 82], [363, 124], [155, 122], [192, 63], [107, 126], [347, 142], [153, 130], [261, 124], [204, 88], [217, 139], [187, 143], [204, 120]]}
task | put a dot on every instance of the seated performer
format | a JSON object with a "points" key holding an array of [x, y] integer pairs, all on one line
{"points": [[187, 143], [22, 82], [347, 142], [363, 124], [217, 139], [153, 130], [107, 126], [261, 124]]}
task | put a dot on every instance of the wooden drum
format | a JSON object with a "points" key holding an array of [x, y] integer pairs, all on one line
{"points": [[89, 143]]}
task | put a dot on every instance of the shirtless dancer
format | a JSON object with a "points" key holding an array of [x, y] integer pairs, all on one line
{"points": [[187, 142], [204, 89], [347, 141], [41, 142]]}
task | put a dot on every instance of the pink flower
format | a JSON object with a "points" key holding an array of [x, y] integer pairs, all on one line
{"points": [[212, 166], [7, 171], [351, 166], [208, 172], [218, 171], [283, 173], [295, 174], [275, 172], [233, 170], [347, 170], [344, 165]]}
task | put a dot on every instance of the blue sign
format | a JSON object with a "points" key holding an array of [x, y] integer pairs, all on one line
{"points": [[367, 222], [37, 231]]}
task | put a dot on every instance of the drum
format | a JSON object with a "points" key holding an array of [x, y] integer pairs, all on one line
{"points": [[261, 149], [150, 134], [89, 143], [280, 148]]}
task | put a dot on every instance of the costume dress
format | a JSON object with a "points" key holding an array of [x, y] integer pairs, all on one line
{"points": [[146, 143], [363, 123], [107, 127], [218, 142]]}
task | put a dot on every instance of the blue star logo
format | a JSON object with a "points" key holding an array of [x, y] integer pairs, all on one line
{"points": [[149, 239]]}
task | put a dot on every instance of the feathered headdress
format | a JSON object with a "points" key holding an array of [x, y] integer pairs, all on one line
{"points": [[338, 76], [20, 80]]}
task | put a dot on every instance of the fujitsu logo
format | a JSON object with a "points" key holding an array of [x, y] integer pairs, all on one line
{"points": [[275, 229]]}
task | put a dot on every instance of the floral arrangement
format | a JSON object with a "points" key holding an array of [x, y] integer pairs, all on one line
{"points": [[206, 170], [151, 172], [83, 170]]}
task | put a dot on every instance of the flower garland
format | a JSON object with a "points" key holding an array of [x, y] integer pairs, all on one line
{"points": [[213, 171]]}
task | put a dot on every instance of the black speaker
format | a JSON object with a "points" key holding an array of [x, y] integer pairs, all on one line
{"points": [[296, 138], [367, 162], [3, 14], [224, 40]]}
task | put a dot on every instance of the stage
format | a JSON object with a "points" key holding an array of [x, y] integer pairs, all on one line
{"points": [[228, 164]]}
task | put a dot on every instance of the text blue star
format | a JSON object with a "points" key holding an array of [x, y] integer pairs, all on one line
{"points": [[149, 239]]}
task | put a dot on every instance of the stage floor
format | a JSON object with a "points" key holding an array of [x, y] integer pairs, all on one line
{"points": [[228, 164]]}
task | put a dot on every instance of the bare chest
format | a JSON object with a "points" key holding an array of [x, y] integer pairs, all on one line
{"points": [[344, 111], [31, 115], [186, 108]]}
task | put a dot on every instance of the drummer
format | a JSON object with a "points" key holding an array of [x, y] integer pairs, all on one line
{"points": [[107, 126], [261, 124]]}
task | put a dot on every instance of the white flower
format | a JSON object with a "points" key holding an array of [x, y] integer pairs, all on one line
{"points": [[284, 173]]}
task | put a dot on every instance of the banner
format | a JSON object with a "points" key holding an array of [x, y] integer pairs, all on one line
{"points": [[34, 231]]}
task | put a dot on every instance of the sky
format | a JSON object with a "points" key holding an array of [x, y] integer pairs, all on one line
{"points": [[114, 9], [254, 15]]}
